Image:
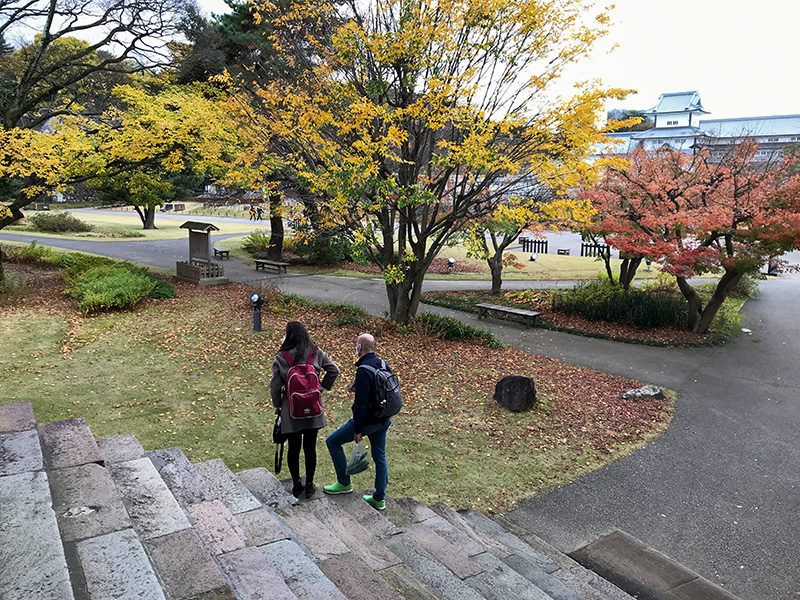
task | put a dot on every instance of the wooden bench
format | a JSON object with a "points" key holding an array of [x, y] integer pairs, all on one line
{"points": [[496, 310], [263, 263], [221, 252]]}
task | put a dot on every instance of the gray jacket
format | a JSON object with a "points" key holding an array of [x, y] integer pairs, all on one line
{"points": [[277, 389]]}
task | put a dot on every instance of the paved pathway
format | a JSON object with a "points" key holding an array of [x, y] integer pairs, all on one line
{"points": [[719, 491]]}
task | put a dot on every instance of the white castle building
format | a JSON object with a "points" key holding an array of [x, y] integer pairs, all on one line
{"points": [[678, 124]]}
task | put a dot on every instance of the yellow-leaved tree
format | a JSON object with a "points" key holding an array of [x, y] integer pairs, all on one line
{"points": [[414, 118]]}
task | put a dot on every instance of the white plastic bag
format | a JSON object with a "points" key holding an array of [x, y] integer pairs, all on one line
{"points": [[359, 460]]}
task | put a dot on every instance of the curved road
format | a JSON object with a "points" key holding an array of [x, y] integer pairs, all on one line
{"points": [[719, 491]]}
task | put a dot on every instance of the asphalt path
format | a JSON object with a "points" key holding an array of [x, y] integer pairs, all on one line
{"points": [[717, 492]]}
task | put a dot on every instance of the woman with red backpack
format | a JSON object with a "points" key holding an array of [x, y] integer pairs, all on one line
{"points": [[297, 397]]}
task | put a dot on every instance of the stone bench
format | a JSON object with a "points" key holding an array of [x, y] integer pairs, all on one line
{"points": [[221, 252], [488, 310], [263, 263]]}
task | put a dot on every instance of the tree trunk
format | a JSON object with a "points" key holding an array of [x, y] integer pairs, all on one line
{"points": [[496, 267], [627, 270], [726, 283], [147, 216], [2, 273], [275, 250], [695, 303]]}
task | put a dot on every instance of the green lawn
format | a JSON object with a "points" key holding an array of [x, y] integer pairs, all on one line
{"points": [[191, 372], [112, 227]]}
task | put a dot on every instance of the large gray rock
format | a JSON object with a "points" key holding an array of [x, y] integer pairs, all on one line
{"points": [[648, 392], [516, 393]]}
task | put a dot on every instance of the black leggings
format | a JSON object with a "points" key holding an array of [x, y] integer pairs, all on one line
{"points": [[308, 439]]}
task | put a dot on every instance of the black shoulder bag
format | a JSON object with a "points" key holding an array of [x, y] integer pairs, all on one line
{"points": [[278, 438]]}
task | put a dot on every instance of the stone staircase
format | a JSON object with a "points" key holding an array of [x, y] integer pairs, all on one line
{"points": [[99, 519]]}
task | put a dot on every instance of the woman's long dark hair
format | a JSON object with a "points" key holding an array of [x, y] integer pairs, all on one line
{"points": [[297, 337]]}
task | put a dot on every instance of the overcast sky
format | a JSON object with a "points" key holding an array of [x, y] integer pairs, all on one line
{"points": [[743, 57]]}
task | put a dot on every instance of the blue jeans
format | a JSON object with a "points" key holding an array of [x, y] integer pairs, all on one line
{"points": [[377, 441]]}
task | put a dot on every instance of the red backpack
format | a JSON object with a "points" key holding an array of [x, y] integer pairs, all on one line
{"points": [[303, 393]]}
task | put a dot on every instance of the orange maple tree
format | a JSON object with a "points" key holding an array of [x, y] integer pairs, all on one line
{"points": [[696, 216]]}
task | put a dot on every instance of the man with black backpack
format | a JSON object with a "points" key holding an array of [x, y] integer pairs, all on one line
{"points": [[377, 399]]}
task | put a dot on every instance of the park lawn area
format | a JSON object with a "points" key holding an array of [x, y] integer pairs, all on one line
{"points": [[118, 227], [190, 372]]}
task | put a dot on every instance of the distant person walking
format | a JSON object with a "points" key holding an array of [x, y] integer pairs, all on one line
{"points": [[363, 423], [297, 392], [252, 213], [260, 213]]}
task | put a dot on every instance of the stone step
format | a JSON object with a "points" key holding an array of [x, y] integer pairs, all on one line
{"points": [[644, 571], [115, 565], [356, 579], [429, 570], [181, 477], [443, 551], [217, 528], [499, 581], [120, 448], [186, 568], [374, 521], [225, 486], [408, 585], [590, 586], [406, 511], [153, 510], [16, 417], [299, 572], [313, 534], [68, 444], [20, 452], [262, 526], [454, 535], [267, 488], [547, 582], [494, 546], [252, 577], [510, 540], [32, 561], [586, 584], [354, 535], [87, 503]]}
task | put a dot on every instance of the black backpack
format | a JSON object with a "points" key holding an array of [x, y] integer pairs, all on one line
{"points": [[386, 401]]}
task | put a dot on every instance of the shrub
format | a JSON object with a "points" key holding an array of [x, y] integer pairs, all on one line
{"points": [[641, 308], [58, 222], [107, 287], [447, 328], [348, 314], [33, 253], [324, 249], [257, 242]]}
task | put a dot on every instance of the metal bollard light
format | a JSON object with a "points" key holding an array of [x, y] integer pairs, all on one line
{"points": [[256, 301]]}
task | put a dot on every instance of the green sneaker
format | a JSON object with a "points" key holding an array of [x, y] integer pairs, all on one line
{"points": [[338, 488], [379, 504]]}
